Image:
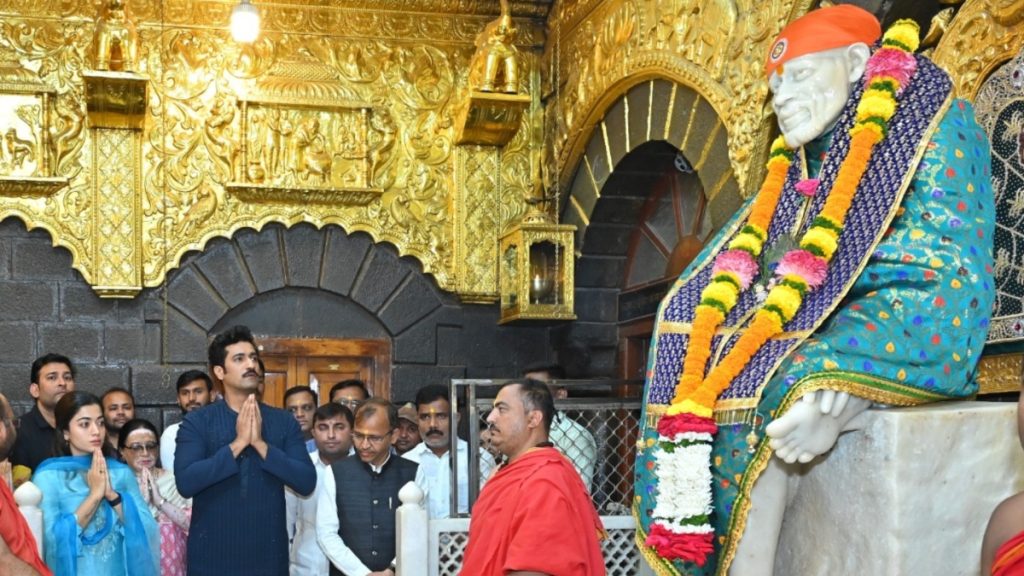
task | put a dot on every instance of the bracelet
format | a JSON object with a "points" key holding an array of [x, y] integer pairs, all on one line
{"points": [[115, 500]]}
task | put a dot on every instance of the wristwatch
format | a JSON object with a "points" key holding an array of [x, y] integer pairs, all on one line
{"points": [[115, 500]]}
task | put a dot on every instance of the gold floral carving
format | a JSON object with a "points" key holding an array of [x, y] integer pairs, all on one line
{"points": [[983, 35], [361, 120]]}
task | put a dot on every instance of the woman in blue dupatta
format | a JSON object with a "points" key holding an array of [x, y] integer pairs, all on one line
{"points": [[95, 522]]}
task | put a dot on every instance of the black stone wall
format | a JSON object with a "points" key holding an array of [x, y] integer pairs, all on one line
{"points": [[298, 282]]}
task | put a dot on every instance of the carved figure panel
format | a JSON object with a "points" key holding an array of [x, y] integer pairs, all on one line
{"points": [[22, 146], [284, 147]]}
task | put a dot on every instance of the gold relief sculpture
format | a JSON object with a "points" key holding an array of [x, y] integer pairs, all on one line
{"points": [[494, 67], [25, 164], [983, 35], [116, 44], [1000, 373]]}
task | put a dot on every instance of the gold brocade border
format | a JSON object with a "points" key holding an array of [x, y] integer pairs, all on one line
{"points": [[853, 383]]}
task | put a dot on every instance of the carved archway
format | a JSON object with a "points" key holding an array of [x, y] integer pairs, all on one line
{"points": [[655, 110]]}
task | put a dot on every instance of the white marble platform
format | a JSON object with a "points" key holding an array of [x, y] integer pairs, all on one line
{"points": [[908, 494]]}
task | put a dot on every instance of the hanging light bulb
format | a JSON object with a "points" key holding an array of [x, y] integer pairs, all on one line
{"points": [[245, 22]]}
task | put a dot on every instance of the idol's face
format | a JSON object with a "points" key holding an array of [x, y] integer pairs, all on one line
{"points": [[809, 93]]}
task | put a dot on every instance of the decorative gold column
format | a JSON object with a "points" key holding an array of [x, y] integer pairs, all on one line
{"points": [[116, 105]]}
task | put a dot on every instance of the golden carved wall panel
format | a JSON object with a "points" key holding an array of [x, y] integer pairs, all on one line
{"points": [[118, 256], [305, 125], [995, 25]]}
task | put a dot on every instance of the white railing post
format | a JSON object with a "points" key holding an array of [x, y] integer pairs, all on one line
{"points": [[412, 522], [28, 497]]}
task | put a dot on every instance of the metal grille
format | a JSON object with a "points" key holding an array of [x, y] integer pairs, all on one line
{"points": [[449, 537], [599, 437]]}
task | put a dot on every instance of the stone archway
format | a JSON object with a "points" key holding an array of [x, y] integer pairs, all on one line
{"points": [[654, 115], [304, 282], [655, 110]]}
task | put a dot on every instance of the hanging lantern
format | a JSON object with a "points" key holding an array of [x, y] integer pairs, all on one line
{"points": [[536, 257], [536, 272]]}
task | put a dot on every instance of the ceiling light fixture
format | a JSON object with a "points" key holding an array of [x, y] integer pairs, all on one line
{"points": [[245, 22]]}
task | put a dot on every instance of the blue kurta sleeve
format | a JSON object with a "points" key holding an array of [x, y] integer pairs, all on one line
{"points": [[194, 469], [291, 464], [60, 529]]}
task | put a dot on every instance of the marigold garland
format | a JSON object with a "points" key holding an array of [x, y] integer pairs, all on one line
{"points": [[687, 429]]}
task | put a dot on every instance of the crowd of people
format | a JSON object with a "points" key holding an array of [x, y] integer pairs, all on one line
{"points": [[240, 487]]}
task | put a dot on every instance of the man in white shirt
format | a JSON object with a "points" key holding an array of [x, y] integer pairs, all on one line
{"points": [[568, 435], [332, 433], [433, 454], [194, 388]]}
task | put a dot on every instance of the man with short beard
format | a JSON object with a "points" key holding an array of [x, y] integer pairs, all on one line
{"points": [[53, 375], [534, 516], [18, 550], [433, 454], [195, 389], [118, 408], [332, 433]]}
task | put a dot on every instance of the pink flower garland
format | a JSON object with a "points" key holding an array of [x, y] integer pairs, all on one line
{"points": [[808, 187], [807, 266], [738, 262], [892, 62]]}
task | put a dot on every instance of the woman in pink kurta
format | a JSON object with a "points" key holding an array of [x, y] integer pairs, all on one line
{"points": [[140, 448]]}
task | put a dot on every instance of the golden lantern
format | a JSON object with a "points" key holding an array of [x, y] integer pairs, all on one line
{"points": [[535, 267]]}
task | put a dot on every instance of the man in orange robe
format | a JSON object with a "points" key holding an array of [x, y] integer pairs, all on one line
{"points": [[18, 551], [1002, 548], [534, 515]]}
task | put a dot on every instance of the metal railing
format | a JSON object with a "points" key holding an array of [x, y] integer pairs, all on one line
{"points": [[598, 435]]}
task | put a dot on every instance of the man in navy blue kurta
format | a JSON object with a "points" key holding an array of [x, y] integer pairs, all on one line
{"points": [[234, 458]]}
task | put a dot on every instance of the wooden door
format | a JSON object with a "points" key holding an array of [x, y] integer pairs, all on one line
{"points": [[321, 363]]}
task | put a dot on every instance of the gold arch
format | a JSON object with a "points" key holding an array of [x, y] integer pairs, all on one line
{"points": [[685, 114]]}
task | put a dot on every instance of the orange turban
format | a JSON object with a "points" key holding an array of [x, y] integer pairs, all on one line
{"points": [[820, 30]]}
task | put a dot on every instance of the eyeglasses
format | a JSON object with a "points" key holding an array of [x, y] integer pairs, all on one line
{"points": [[348, 402], [148, 447], [371, 438]]}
